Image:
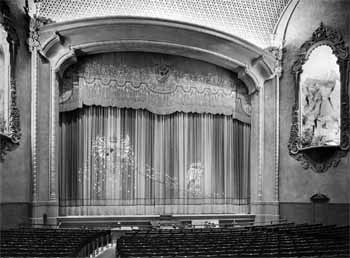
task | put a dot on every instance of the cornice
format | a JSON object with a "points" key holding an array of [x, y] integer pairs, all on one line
{"points": [[144, 21], [253, 64]]}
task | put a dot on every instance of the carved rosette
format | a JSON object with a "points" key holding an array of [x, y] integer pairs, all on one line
{"points": [[322, 36], [11, 136]]}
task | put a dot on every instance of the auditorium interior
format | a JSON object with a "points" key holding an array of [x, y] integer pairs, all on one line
{"points": [[182, 128]]}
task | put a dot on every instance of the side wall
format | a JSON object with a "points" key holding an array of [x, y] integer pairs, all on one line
{"points": [[297, 185], [15, 171]]}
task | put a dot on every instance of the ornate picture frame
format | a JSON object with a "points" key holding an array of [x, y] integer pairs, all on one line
{"points": [[321, 157], [10, 132]]}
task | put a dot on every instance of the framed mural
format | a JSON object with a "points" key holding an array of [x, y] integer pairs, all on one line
{"points": [[320, 100], [9, 114], [320, 127]]}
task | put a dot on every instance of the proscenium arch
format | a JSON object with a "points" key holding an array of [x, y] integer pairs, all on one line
{"points": [[184, 74], [120, 34], [62, 43]]}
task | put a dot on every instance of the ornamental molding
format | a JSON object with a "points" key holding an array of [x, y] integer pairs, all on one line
{"points": [[332, 155], [35, 23], [34, 126], [280, 29], [253, 21], [250, 80], [124, 34], [50, 43], [10, 133], [63, 43], [277, 53], [33, 39], [265, 65]]}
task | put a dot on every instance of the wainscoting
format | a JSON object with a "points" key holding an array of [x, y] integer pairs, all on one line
{"points": [[14, 213], [332, 213]]}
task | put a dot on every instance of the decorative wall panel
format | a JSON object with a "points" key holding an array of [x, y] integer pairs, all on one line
{"points": [[320, 99], [10, 131], [320, 132]]}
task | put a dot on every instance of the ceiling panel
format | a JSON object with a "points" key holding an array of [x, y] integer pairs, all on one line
{"points": [[252, 20]]}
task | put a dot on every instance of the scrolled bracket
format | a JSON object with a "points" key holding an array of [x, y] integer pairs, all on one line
{"points": [[35, 23], [277, 53]]}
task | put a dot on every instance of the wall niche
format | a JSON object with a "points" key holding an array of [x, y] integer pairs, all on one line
{"points": [[9, 114], [320, 128]]}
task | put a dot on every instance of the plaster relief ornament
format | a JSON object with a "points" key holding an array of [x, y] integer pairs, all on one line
{"points": [[320, 129], [320, 99], [10, 131]]}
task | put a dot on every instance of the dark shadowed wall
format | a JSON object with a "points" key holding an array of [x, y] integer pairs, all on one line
{"points": [[15, 171], [297, 185]]}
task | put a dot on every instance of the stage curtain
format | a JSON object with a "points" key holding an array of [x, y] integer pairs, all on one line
{"points": [[122, 156]]}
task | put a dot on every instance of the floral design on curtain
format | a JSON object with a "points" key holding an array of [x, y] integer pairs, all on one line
{"points": [[123, 156]]}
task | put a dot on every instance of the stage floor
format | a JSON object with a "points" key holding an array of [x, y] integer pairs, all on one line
{"points": [[144, 221]]}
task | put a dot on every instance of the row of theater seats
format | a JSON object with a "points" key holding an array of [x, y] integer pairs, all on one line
{"points": [[46, 242], [284, 240]]}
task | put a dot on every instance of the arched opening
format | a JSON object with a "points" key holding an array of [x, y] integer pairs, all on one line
{"points": [[140, 35], [146, 133]]}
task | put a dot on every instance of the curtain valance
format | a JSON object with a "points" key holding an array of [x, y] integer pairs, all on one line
{"points": [[159, 83]]}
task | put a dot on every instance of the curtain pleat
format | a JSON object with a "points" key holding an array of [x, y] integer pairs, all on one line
{"points": [[122, 156]]}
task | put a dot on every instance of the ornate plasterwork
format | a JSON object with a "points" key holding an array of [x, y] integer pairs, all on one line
{"points": [[251, 20], [160, 88], [122, 35], [330, 156], [34, 45], [10, 131], [277, 52], [34, 26]]}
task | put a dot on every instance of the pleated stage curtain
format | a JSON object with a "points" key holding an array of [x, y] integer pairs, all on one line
{"points": [[121, 156]]}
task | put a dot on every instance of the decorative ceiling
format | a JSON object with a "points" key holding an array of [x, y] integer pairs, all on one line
{"points": [[252, 20]]}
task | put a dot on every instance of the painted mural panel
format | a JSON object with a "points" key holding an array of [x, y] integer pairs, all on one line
{"points": [[3, 95], [320, 99]]}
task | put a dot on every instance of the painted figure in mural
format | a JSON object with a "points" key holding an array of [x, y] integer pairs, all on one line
{"points": [[194, 179], [2, 112], [2, 94], [320, 117], [320, 99]]}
